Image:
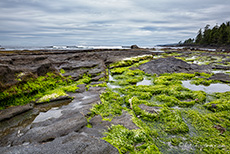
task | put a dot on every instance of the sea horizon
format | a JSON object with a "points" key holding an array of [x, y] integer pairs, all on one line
{"points": [[68, 47]]}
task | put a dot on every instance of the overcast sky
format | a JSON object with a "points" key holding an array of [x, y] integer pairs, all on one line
{"points": [[106, 22]]}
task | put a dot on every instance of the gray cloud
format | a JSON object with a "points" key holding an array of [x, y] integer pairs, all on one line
{"points": [[110, 22]]}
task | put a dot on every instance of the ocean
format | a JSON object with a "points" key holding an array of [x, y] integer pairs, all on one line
{"points": [[62, 47]]}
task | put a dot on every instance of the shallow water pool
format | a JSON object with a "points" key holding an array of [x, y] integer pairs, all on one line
{"points": [[212, 88], [144, 82]]}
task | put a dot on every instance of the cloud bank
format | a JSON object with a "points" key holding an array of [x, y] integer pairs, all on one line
{"points": [[110, 22]]}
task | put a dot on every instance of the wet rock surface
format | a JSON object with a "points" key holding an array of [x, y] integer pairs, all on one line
{"points": [[13, 111], [172, 65], [221, 67], [75, 63], [125, 119], [66, 133], [99, 127], [150, 109], [63, 129], [74, 142], [221, 77]]}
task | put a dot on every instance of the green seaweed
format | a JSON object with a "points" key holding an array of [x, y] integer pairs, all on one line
{"points": [[42, 88], [221, 103], [126, 140], [132, 61], [24, 93], [183, 117], [110, 106]]}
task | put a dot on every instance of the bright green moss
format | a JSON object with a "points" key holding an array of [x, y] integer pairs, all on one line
{"points": [[180, 117], [127, 77], [118, 70], [120, 82], [176, 141], [168, 122], [130, 61], [126, 140], [209, 139], [84, 80], [99, 85], [62, 71], [179, 76], [51, 95], [167, 100], [141, 113], [70, 88], [24, 93], [43, 88], [111, 105], [202, 81], [222, 102]]}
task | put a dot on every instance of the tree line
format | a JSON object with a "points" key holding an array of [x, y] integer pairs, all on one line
{"points": [[216, 36]]}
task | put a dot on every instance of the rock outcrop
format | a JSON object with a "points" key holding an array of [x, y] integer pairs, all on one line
{"points": [[221, 77], [75, 63], [134, 47], [66, 130], [171, 65]]}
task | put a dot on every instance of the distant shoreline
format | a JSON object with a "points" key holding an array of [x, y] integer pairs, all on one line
{"points": [[225, 48]]}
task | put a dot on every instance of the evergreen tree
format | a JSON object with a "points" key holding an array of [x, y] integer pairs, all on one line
{"points": [[207, 35], [199, 37], [218, 35], [215, 35], [189, 41]]}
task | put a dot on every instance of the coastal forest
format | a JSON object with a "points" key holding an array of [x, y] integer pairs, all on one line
{"points": [[216, 36]]}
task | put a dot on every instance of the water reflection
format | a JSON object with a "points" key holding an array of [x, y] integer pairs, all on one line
{"points": [[112, 86], [52, 113], [217, 87], [219, 71], [144, 82]]}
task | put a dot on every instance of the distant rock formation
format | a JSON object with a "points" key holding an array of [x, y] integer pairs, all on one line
{"points": [[134, 47]]}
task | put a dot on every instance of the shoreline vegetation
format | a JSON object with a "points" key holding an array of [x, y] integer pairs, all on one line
{"points": [[138, 103], [217, 37]]}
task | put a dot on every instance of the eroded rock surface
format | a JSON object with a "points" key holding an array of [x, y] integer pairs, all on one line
{"points": [[172, 65], [221, 77], [10, 112], [75, 63], [66, 133], [77, 143], [66, 130]]}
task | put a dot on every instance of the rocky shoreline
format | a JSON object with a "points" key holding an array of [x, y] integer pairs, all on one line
{"points": [[68, 133], [69, 129]]}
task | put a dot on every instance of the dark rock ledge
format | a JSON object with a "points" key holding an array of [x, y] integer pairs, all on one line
{"points": [[68, 132], [172, 65]]}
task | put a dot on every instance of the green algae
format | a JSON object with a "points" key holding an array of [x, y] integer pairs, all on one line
{"points": [[185, 121], [23, 93], [40, 89], [52, 95], [208, 138], [221, 103], [132, 141], [110, 106], [132, 61]]}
